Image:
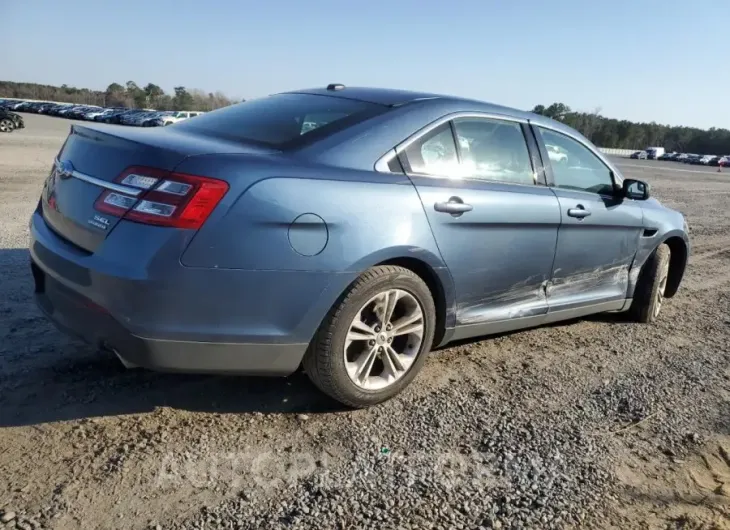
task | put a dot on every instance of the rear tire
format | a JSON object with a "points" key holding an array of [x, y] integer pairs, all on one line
{"points": [[649, 293], [359, 368]]}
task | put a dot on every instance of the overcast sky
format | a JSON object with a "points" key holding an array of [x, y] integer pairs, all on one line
{"points": [[642, 60]]}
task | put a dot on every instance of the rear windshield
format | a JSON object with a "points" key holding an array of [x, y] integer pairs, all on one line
{"points": [[283, 121]]}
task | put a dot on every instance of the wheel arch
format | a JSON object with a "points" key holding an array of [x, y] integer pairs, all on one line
{"points": [[677, 263], [428, 267], [435, 283]]}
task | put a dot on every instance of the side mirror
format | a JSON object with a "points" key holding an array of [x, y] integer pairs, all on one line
{"points": [[635, 189]]}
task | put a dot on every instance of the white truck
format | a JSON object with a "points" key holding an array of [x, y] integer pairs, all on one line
{"points": [[179, 116], [653, 153]]}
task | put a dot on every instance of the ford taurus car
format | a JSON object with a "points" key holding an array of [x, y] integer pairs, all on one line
{"points": [[344, 230]]}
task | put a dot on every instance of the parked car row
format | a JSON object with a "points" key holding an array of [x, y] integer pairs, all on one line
{"points": [[687, 158], [116, 115]]}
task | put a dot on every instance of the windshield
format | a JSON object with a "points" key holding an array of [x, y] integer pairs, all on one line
{"points": [[283, 120]]}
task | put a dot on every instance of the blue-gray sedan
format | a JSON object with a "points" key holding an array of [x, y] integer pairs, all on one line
{"points": [[345, 230]]}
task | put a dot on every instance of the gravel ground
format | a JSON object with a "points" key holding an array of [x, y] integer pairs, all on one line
{"points": [[592, 423]]}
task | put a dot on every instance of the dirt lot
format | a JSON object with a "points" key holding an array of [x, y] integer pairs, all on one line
{"points": [[594, 423]]}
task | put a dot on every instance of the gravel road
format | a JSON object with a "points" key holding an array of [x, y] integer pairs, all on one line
{"points": [[591, 423]]}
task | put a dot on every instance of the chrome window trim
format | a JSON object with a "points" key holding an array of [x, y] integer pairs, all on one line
{"points": [[477, 179], [382, 162], [381, 165], [103, 183], [449, 117]]}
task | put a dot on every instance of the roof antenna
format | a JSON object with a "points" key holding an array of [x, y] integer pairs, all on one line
{"points": [[335, 86]]}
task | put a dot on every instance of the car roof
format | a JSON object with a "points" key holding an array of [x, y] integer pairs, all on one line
{"points": [[397, 98]]}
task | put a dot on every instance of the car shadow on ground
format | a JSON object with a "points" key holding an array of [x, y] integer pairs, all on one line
{"points": [[47, 377]]}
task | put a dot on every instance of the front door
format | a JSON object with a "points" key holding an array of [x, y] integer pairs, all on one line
{"points": [[599, 231], [495, 225]]}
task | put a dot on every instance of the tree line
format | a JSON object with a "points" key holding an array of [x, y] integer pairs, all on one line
{"points": [[129, 95], [602, 131], [625, 134]]}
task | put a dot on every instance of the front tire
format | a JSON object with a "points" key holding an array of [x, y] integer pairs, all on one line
{"points": [[375, 340], [649, 294], [6, 125]]}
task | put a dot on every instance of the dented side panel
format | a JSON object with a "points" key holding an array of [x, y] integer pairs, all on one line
{"points": [[594, 255], [500, 253]]}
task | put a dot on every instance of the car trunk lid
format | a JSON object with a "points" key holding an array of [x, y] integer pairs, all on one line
{"points": [[91, 162]]}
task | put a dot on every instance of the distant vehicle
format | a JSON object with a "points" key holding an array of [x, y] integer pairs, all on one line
{"points": [[135, 117], [653, 153], [714, 161], [17, 120], [239, 243], [640, 155], [106, 113], [116, 117], [156, 119], [91, 115], [180, 115], [8, 121], [556, 154], [724, 161], [681, 157], [668, 156], [691, 159], [705, 160], [16, 105]]}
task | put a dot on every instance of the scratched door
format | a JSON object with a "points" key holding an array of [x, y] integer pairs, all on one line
{"points": [[495, 225], [599, 230]]}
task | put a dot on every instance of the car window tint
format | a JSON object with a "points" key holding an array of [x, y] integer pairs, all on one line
{"points": [[493, 150], [575, 166], [434, 153], [284, 120]]}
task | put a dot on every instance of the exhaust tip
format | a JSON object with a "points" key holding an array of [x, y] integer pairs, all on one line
{"points": [[128, 365]]}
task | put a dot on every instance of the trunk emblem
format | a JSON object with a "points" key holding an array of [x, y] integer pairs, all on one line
{"points": [[99, 222]]}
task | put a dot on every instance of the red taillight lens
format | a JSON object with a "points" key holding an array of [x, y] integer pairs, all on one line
{"points": [[163, 198]]}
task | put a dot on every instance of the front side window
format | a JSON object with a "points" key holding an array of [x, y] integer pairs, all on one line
{"points": [[575, 167], [493, 150], [434, 154]]}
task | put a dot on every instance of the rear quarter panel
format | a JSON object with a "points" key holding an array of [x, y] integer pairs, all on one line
{"points": [[346, 222], [357, 216]]}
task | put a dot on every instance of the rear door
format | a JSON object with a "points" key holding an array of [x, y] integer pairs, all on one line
{"points": [[494, 222], [599, 231]]}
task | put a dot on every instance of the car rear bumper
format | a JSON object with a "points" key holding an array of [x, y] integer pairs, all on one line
{"points": [[174, 318], [81, 318]]}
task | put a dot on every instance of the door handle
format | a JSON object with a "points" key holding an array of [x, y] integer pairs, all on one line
{"points": [[455, 206], [579, 212]]}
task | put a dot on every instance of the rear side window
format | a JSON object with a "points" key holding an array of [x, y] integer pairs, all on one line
{"points": [[284, 120], [494, 150], [434, 154]]}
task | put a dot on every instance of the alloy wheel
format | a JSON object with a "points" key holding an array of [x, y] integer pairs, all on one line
{"points": [[384, 339], [664, 274]]}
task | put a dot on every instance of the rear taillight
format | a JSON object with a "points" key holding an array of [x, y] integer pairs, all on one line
{"points": [[163, 198]]}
